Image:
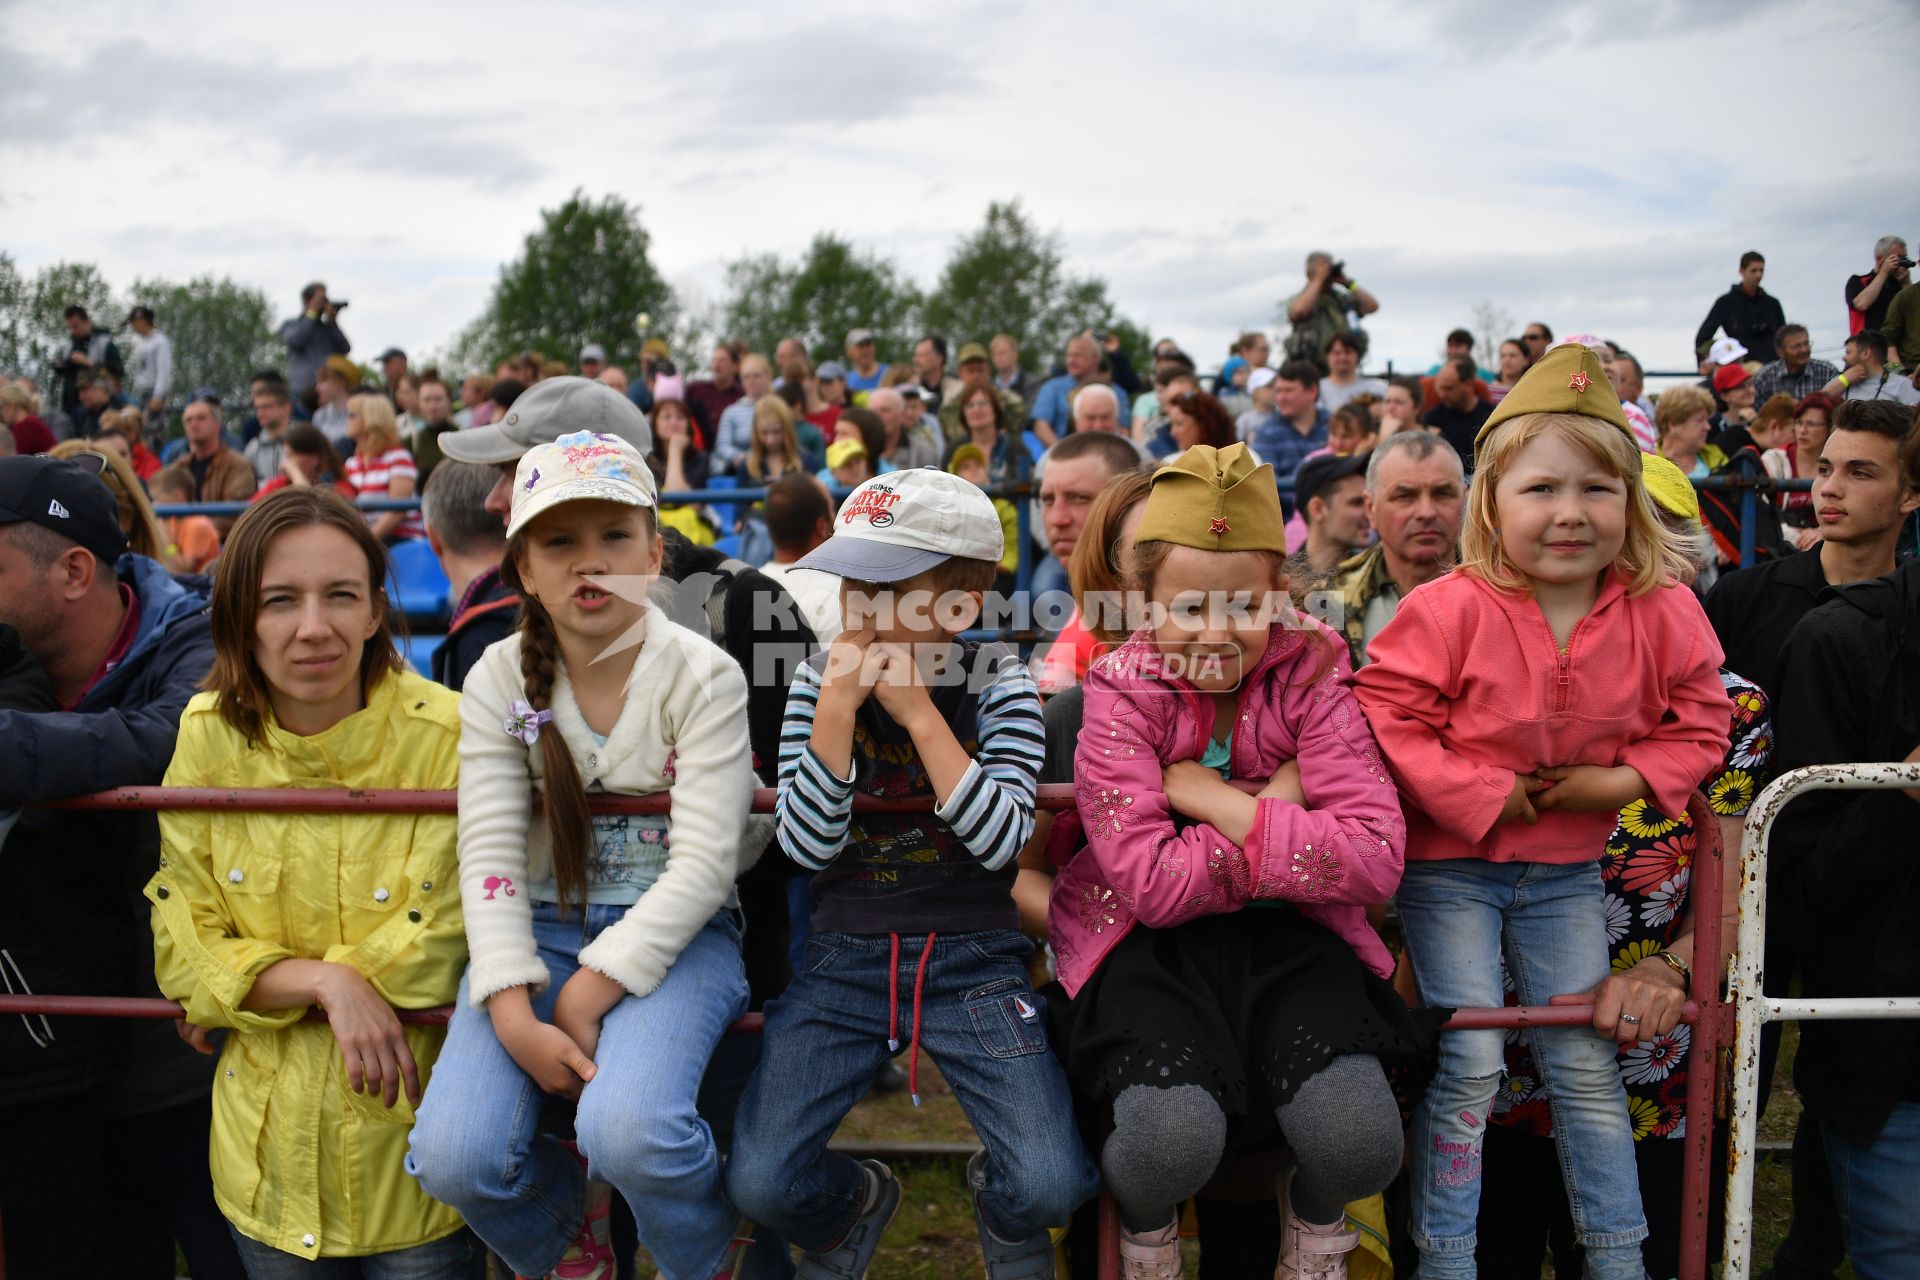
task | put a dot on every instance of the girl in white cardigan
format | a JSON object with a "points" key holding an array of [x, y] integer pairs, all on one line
{"points": [[605, 950]]}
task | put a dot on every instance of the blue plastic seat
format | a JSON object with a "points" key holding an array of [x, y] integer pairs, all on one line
{"points": [[416, 582], [419, 651], [728, 546]]}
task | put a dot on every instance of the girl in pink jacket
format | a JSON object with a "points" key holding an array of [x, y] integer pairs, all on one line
{"points": [[1555, 678], [1212, 945]]}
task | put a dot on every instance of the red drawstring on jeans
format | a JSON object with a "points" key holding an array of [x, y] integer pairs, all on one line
{"points": [[893, 1009]]}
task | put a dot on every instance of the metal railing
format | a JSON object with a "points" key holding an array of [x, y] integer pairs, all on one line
{"points": [[1753, 1008], [1710, 1017]]}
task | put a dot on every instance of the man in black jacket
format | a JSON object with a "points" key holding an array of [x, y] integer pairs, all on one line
{"points": [[1850, 679], [1862, 495], [1748, 313], [100, 1122]]}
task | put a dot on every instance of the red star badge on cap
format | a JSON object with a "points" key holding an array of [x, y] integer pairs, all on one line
{"points": [[1219, 526], [1580, 381]]}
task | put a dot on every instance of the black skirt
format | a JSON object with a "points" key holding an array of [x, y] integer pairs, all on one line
{"points": [[1247, 1005]]}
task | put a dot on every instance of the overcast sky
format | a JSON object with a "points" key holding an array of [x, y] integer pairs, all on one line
{"points": [[1596, 166]]}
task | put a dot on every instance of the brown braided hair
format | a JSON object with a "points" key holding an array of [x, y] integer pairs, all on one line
{"points": [[569, 825]]}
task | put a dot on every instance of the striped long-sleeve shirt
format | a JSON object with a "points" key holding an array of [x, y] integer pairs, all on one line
{"points": [[949, 870]]}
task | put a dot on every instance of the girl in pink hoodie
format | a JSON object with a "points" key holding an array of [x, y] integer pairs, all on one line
{"points": [[1560, 674], [1212, 946]]}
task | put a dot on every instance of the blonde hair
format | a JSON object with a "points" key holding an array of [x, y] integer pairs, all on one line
{"points": [[780, 411], [137, 521], [1676, 406], [1649, 558], [1094, 568], [379, 429]]}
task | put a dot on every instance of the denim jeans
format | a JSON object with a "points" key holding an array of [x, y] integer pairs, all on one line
{"points": [[1877, 1189], [477, 1146], [1456, 914], [455, 1257], [826, 1038]]}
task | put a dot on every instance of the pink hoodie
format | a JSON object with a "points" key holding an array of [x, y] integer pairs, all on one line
{"points": [[1466, 687], [1333, 860]]}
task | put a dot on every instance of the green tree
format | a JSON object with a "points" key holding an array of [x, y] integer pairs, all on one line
{"points": [[828, 291], [583, 276], [1011, 277], [19, 345], [222, 333]]}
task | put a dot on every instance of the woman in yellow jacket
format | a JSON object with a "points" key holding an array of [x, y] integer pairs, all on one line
{"points": [[261, 919]]}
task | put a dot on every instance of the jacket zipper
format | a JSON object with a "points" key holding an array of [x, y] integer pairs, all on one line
{"points": [[1564, 662]]}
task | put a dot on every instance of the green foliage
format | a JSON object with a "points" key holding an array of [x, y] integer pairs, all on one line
{"points": [[830, 290], [221, 332], [33, 330], [583, 276], [1010, 277]]}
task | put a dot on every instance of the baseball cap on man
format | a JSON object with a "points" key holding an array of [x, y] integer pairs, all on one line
{"points": [[904, 523], [578, 466], [1260, 378], [549, 409], [1320, 473], [970, 352], [65, 495], [830, 371], [593, 351], [859, 337]]}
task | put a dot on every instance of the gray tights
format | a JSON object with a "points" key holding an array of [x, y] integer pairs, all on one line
{"points": [[1342, 1126]]}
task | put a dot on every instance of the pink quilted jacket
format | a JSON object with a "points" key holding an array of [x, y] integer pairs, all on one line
{"points": [[1334, 859]]}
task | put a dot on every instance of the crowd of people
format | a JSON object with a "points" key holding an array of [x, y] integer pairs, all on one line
{"points": [[1379, 697]]}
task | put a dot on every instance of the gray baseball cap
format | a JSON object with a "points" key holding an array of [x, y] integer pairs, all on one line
{"points": [[547, 410]]}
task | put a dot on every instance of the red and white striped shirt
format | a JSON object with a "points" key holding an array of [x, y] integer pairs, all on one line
{"points": [[373, 477]]}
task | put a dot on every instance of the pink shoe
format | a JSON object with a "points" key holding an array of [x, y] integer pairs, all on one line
{"points": [[1150, 1255], [591, 1255], [1308, 1252]]}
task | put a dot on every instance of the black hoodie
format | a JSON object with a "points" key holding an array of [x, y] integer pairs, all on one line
{"points": [[1849, 691], [1751, 322]]}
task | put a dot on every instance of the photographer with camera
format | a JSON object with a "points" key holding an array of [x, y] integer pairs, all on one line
{"points": [[1871, 293], [312, 336], [1331, 303]]}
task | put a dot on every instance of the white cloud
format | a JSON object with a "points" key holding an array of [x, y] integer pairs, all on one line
{"points": [[1596, 166]]}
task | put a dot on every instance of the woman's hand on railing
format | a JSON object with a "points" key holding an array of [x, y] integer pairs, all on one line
{"points": [[199, 1037], [1645, 1001], [372, 1041]]}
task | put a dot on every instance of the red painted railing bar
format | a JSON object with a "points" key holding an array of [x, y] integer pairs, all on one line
{"points": [[1052, 797], [154, 1007]]}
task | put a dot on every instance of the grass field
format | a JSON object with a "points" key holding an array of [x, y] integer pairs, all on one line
{"points": [[933, 1237]]}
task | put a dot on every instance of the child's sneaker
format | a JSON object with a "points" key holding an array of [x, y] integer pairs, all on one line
{"points": [[1308, 1252], [591, 1255], [848, 1260], [1029, 1259], [1151, 1255]]}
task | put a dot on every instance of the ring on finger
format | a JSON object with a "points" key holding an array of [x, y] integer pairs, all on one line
{"points": [[1631, 1020]]}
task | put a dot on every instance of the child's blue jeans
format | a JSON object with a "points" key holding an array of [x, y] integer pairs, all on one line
{"points": [[826, 1039], [476, 1144], [1456, 913]]}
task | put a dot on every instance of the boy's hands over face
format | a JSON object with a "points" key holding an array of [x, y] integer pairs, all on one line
{"points": [[848, 679], [897, 685]]}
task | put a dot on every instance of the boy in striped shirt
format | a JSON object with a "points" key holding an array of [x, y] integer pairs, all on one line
{"points": [[916, 940]]}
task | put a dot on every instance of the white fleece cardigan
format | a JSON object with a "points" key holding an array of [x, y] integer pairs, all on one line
{"points": [[683, 727]]}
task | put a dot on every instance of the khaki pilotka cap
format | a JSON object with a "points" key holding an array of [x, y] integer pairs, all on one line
{"points": [[1216, 500], [1568, 379]]}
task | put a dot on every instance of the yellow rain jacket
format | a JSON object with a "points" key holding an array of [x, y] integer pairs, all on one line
{"points": [[300, 1162]]}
